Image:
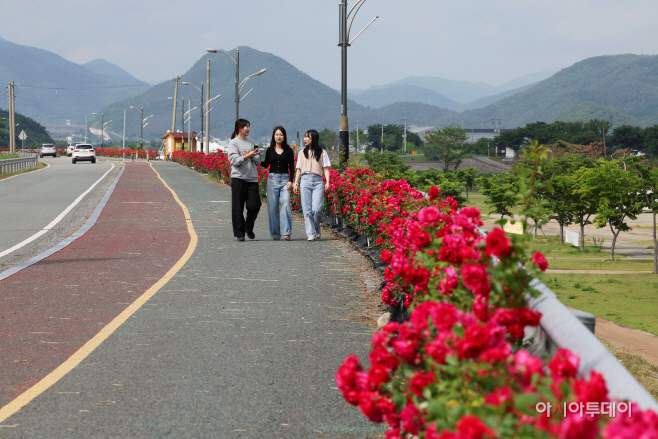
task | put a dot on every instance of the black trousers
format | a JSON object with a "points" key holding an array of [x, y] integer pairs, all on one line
{"points": [[244, 192]]}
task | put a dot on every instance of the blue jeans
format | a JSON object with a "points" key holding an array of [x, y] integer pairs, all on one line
{"points": [[278, 205], [311, 191]]}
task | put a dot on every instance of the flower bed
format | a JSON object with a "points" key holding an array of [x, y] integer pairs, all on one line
{"points": [[118, 153], [457, 368]]}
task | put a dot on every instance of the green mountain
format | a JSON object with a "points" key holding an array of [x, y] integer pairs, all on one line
{"points": [[626, 83], [35, 132], [587, 111], [52, 90]]}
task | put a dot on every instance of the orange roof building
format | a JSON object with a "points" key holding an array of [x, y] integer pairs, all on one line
{"points": [[178, 141]]}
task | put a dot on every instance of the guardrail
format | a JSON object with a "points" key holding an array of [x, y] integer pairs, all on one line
{"points": [[10, 166]]}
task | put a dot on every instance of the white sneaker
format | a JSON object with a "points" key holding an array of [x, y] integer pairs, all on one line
{"points": [[311, 238]]}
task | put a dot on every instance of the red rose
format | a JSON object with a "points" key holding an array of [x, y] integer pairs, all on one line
{"points": [[498, 244], [419, 381], [472, 427], [540, 261], [411, 418], [434, 193], [593, 390], [563, 365], [475, 278], [386, 256]]}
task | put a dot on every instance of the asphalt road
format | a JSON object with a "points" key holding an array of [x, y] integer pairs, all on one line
{"points": [[30, 202], [243, 342]]}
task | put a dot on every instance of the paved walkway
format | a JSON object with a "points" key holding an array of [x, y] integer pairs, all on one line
{"points": [[243, 341]]}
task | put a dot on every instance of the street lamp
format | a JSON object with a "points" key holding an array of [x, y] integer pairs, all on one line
{"points": [[189, 126], [182, 110], [202, 107], [344, 42], [102, 127], [238, 85], [141, 125]]}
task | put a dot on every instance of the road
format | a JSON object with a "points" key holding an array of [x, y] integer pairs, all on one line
{"points": [[31, 202]]}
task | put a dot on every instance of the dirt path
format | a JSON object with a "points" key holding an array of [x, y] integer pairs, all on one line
{"points": [[560, 271], [636, 341]]}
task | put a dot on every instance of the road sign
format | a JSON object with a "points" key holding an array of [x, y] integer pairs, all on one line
{"points": [[22, 135]]}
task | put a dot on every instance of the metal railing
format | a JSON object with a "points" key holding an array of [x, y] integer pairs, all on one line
{"points": [[10, 166]]}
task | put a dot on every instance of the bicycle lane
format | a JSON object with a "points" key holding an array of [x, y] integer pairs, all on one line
{"points": [[243, 342], [52, 308]]}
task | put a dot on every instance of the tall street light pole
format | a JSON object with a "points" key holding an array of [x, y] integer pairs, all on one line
{"points": [[102, 127], [201, 106], [141, 125], [238, 85], [344, 42]]}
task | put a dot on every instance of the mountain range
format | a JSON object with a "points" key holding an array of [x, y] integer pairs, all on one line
{"points": [[620, 88], [52, 89]]}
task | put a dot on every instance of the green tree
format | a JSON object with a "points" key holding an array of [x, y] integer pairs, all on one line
{"points": [[388, 164], [627, 137], [467, 177], [362, 140], [449, 185], [328, 138], [648, 179], [500, 190], [618, 192], [443, 144]]}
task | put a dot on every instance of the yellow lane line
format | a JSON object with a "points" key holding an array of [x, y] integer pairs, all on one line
{"points": [[75, 359]]}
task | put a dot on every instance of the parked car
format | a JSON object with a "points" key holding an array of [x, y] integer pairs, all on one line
{"points": [[70, 148], [48, 149], [83, 151]]}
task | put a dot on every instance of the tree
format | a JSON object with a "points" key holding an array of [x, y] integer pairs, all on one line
{"points": [[500, 190], [328, 139], [618, 193], [627, 137], [442, 145], [390, 144], [648, 178], [388, 164], [467, 177], [362, 140]]}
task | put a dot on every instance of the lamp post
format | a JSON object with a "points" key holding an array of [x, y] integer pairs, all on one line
{"points": [[189, 126], [238, 85], [102, 127], [141, 125], [202, 109], [344, 42]]}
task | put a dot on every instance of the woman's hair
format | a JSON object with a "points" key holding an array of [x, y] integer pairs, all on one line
{"points": [[239, 124], [284, 145], [315, 146]]}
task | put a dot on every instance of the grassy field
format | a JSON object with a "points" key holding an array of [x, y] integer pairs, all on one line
{"points": [[645, 373], [628, 299]]}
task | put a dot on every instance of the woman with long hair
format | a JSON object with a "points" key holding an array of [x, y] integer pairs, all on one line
{"points": [[312, 164], [244, 157], [280, 159]]}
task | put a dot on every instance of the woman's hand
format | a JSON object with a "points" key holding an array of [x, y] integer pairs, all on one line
{"points": [[248, 155], [326, 186], [288, 185], [295, 188]]}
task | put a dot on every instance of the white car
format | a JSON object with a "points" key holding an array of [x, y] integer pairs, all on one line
{"points": [[83, 151], [48, 149], [70, 148]]}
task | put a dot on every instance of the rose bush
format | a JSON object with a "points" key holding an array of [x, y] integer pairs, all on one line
{"points": [[118, 153]]}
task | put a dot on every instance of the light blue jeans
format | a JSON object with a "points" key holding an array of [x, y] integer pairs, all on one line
{"points": [[278, 205], [311, 191]]}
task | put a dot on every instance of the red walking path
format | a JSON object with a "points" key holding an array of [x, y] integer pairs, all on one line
{"points": [[50, 309]]}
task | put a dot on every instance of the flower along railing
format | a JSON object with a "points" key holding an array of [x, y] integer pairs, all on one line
{"points": [[152, 154], [458, 368]]}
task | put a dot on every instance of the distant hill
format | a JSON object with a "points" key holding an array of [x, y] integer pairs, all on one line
{"points": [[586, 111], [52, 89], [626, 83], [404, 93], [36, 133], [483, 102], [525, 80], [105, 68]]}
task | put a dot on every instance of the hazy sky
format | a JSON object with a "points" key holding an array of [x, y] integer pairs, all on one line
{"points": [[475, 40]]}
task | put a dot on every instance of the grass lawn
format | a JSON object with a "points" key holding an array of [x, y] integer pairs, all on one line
{"points": [[628, 299], [643, 371]]}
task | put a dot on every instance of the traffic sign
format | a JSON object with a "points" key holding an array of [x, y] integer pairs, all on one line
{"points": [[22, 135]]}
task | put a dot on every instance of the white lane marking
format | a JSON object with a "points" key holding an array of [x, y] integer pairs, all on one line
{"points": [[54, 222]]}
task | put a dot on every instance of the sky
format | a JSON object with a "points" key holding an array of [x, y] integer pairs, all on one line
{"points": [[474, 40]]}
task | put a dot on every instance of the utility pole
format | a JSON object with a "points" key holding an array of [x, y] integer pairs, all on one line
{"points": [[496, 122], [141, 128], [206, 132], [237, 79], [344, 42], [124, 129], [357, 135], [173, 122], [102, 130], [12, 121], [200, 147], [87, 129], [404, 150], [603, 132], [381, 147], [488, 153]]}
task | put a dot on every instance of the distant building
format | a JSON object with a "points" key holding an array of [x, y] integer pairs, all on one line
{"points": [[177, 141]]}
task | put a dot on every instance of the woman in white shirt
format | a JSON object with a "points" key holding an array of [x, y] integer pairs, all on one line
{"points": [[312, 163]]}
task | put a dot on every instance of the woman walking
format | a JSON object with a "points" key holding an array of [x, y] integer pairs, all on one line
{"points": [[312, 163], [244, 158], [280, 159]]}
